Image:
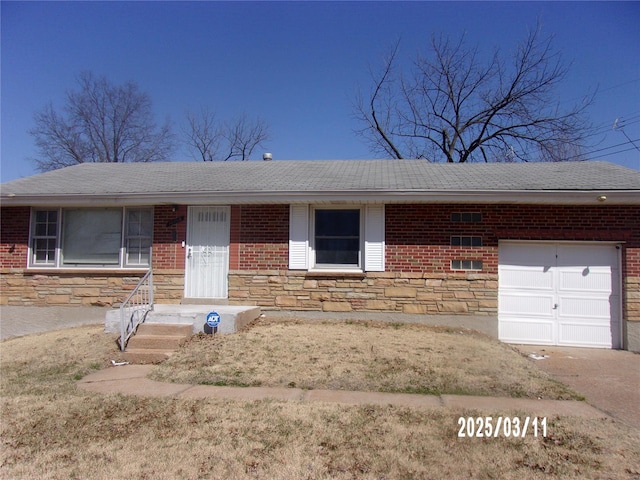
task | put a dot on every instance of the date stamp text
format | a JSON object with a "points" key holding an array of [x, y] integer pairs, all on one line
{"points": [[509, 427]]}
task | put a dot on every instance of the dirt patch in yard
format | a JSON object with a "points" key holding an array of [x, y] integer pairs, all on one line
{"points": [[360, 355]]}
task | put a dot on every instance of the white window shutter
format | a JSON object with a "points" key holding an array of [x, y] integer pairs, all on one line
{"points": [[299, 237], [374, 238]]}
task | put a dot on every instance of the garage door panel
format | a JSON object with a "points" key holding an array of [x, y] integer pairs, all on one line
{"points": [[586, 256], [588, 279], [583, 334], [526, 305], [531, 278], [520, 330], [584, 307], [542, 255]]}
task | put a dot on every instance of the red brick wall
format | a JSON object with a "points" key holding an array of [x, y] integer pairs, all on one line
{"points": [[418, 236], [632, 261], [14, 236], [263, 240], [169, 231], [234, 240]]}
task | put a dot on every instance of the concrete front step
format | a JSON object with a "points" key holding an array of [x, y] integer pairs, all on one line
{"points": [[154, 343], [149, 328], [167, 342], [145, 355]]}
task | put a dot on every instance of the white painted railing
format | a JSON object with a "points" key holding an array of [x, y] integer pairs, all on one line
{"points": [[134, 309]]}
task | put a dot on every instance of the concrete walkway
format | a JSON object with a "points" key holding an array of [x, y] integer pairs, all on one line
{"points": [[133, 380]]}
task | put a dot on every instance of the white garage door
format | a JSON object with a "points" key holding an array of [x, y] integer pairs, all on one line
{"points": [[559, 294]]}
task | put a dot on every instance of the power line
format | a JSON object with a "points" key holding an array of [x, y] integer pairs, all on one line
{"points": [[605, 127], [612, 146], [631, 141], [604, 149], [609, 154]]}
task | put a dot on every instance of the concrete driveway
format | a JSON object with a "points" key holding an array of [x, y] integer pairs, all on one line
{"points": [[608, 379], [18, 321]]}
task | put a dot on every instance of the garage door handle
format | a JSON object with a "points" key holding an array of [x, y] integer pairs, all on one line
{"points": [[555, 306]]}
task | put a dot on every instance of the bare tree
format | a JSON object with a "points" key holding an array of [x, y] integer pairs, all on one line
{"points": [[210, 139], [203, 134], [100, 122], [455, 106]]}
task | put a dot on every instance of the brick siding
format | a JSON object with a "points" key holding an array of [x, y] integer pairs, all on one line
{"points": [[263, 237], [169, 231], [14, 236]]}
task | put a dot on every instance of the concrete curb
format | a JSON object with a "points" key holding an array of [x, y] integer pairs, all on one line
{"points": [[132, 380]]}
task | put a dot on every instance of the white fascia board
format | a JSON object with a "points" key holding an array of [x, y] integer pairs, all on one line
{"points": [[551, 197]]}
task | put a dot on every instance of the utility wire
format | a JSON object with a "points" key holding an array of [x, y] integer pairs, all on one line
{"points": [[609, 148], [609, 154]]}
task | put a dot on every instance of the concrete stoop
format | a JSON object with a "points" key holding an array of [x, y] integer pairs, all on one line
{"points": [[232, 318], [167, 326], [155, 342]]}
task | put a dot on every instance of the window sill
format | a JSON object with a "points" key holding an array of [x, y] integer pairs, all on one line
{"points": [[358, 274], [84, 271]]}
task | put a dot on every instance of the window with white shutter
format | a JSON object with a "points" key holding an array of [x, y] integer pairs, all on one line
{"points": [[299, 237], [374, 239], [337, 239]]}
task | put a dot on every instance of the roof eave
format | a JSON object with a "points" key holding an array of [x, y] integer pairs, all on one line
{"points": [[556, 197]]}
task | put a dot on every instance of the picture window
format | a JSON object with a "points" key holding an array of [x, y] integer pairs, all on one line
{"points": [[91, 237]]}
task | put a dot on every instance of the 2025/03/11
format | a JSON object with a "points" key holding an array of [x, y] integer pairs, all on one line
{"points": [[490, 427]]}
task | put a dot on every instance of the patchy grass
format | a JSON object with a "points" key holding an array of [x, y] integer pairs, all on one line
{"points": [[50, 429], [366, 356]]}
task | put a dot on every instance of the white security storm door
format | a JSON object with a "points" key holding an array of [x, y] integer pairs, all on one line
{"points": [[559, 294], [207, 264]]}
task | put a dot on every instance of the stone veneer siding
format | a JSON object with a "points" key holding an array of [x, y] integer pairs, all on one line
{"points": [[404, 292]]}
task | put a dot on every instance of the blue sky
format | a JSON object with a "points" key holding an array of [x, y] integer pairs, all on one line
{"points": [[296, 64]]}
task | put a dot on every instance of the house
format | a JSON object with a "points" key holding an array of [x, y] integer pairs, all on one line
{"points": [[542, 253]]}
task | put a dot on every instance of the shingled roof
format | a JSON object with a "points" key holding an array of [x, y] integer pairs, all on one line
{"points": [[291, 181]]}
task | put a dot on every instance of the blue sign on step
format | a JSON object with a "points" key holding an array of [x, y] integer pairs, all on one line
{"points": [[213, 319]]}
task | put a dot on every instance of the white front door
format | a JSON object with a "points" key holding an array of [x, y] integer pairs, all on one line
{"points": [[559, 294], [207, 251]]}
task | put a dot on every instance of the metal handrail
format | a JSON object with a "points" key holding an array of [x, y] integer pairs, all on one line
{"points": [[135, 308]]}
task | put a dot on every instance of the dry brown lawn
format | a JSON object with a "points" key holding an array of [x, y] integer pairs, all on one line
{"points": [[50, 429], [365, 356]]}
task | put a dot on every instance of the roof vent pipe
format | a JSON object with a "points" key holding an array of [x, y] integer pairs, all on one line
{"points": [[267, 157]]}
